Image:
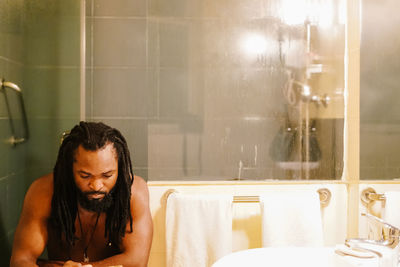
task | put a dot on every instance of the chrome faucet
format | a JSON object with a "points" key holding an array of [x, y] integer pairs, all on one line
{"points": [[389, 234]]}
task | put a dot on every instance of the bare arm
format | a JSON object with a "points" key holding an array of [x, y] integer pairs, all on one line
{"points": [[136, 245], [31, 234]]}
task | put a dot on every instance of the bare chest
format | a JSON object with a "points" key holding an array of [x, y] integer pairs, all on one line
{"points": [[90, 243]]}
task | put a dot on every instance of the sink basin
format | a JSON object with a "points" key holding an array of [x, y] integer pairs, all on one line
{"points": [[292, 257]]}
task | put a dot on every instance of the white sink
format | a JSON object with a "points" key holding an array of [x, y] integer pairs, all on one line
{"points": [[292, 257]]}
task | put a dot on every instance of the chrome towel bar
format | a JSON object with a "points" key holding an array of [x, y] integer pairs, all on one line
{"points": [[324, 197]]}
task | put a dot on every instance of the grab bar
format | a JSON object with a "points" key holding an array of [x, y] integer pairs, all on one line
{"points": [[324, 197], [14, 140]]}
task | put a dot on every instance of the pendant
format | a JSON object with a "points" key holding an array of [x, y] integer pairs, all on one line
{"points": [[85, 257]]}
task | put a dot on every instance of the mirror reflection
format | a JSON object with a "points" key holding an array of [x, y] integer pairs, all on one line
{"points": [[223, 91], [379, 87]]}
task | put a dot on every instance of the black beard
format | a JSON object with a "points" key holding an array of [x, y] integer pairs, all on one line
{"points": [[96, 205]]}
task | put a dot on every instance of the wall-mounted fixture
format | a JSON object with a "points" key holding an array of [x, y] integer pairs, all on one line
{"points": [[369, 195], [16, 112]]}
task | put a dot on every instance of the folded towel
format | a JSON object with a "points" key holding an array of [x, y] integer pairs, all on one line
{"points": [[391, 212], [291, 218], [198, 229]]}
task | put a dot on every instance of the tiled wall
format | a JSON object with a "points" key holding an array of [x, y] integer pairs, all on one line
{"points": [[172, 77], [39, 51], [52, 78], [12, 159]]}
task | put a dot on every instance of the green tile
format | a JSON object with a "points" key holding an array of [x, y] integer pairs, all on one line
{"points": [[3, 28], [5, 249], [15, 30], [3, 206], [17, 158], [53, 33], [53, 92], [15, 74], [15, 196], [3, 108], [5, 147], [44, 144]]}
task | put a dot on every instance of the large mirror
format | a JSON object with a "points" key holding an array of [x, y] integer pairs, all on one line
{"points": [[380, 90], [221, 90]]}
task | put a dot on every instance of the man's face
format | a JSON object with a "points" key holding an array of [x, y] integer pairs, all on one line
{"points": [[95, 175]]}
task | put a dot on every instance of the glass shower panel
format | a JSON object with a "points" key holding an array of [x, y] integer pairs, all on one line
{"points": [[222, 90]]}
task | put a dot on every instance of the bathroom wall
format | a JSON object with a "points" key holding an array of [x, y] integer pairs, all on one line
{"points": [[39, 51], [246, 226], [172, 76], [52, 78], [380, 91], [12, 159]]}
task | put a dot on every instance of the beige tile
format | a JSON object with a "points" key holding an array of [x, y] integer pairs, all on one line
{"points": [[124, 92], [89, 7], [135, 132], [181, 93], [207, 8], [119, 42], [153, 44], [120, 8]]}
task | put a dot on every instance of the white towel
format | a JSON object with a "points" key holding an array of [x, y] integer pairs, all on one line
{"points": [[198, 229], [391, 212], [291, 218]]}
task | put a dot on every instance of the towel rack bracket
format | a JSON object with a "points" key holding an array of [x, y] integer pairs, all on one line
{"points": [[369, 195]]}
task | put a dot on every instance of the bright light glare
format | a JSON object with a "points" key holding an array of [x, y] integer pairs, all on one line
{"points": [[294, 12], [318, 12], [255, 44], [306, 90]]}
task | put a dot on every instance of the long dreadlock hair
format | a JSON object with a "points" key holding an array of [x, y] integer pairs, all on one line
{"points": [[92, 136]]}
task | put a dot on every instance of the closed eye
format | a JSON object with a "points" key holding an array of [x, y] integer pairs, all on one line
{"points": [[108, 174], [84, 175]]}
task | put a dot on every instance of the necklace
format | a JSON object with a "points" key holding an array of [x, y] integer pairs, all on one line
{"points": [[85, 256]]}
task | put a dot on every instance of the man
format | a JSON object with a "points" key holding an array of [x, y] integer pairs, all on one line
{"points": [[91, 211]]}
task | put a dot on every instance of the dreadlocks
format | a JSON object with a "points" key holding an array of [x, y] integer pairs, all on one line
{"points": [[92, 136]]}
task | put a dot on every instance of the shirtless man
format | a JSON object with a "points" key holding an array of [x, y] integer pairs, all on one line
{"points": [[91, 211]]}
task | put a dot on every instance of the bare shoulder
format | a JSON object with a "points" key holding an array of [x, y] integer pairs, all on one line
{"points": [[139, 183], [139, 190], [41, 187], [39, 195]]}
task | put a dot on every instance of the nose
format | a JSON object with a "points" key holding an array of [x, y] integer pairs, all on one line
{"points": [[95, 184]]}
